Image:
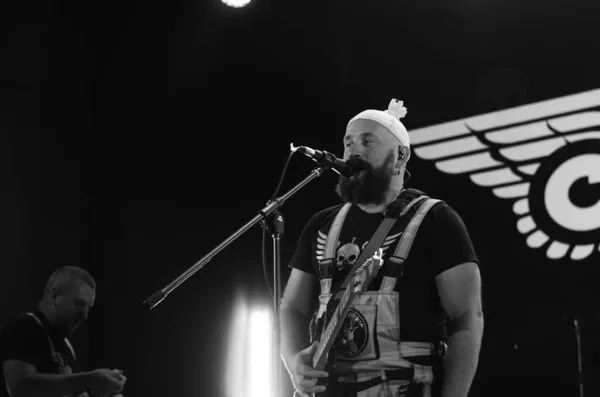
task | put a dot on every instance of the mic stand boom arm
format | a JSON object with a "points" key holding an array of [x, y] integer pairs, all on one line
{"points": [[276, 230], [270, 208]]}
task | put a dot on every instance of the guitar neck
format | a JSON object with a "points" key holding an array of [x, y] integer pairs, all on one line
{"points": [[333, 327]]}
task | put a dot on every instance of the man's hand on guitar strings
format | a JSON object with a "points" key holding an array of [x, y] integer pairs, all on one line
{"points": [[306, 377]]}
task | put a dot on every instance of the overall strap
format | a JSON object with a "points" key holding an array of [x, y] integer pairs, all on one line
{"points": [[392, 214], [396, 261], [326, 264], [335, 230], [410, 194]]}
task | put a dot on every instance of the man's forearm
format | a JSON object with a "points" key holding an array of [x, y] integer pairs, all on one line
{"points": [[294, 333], [462, 358], [47, 385]]}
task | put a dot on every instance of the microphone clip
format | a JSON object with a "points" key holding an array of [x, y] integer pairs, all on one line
{"points": [[326, 159]]}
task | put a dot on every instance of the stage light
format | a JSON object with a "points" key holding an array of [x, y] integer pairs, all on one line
{"points": [[235, 379], [236, 3], [260, 376], [249, 366]]}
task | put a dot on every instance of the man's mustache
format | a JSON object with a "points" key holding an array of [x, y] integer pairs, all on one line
{"points": [[359, 163]]}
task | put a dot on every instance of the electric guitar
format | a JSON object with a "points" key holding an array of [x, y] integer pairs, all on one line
{"points": [[322, 360]]}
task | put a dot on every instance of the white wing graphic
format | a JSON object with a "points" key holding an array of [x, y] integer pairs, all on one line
{"points": [[503, 151], [385, 245], [389, 240], [321, 240]]}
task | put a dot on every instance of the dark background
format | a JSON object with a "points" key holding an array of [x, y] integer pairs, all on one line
{"points": [[135, 136]]}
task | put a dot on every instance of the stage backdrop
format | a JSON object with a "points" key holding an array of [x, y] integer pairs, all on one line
{"points": [[137, 136]]}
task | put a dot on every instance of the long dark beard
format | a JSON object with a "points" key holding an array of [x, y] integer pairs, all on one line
{"points": [[368, 186]]}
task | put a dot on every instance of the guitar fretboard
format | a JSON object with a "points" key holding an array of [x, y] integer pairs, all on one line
{"points": [[332, 328]]}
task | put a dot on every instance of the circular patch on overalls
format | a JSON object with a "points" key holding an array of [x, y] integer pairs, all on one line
{"points": [[354, 335]]}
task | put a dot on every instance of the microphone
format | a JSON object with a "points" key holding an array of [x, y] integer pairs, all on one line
{"points": [[328, 160]]}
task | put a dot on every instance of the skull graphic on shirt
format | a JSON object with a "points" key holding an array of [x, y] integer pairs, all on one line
{"points": [[347, 254]]}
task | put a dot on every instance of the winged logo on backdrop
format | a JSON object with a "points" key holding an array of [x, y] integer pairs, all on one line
{"points": [[544, 156]]}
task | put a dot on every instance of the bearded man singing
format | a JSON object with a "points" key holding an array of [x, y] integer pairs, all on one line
{"points": [[416, 331]]}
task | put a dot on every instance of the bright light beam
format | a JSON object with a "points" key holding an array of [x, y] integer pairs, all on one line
{"points": [[260, 369], [236, 3], [250, 357], [235, 378]]}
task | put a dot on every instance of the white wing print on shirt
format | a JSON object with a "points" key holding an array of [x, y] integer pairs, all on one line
{"points": [[321, 240], [544, 156], [389, 240]]}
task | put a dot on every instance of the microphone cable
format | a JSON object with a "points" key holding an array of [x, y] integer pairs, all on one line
{"points": [[264, 227]]}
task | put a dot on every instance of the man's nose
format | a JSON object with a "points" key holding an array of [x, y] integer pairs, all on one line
{"points": [[353, 151], [355, 155]]}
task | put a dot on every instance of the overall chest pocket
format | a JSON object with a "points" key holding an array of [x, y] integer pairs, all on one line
{"points": [[372, 325]]}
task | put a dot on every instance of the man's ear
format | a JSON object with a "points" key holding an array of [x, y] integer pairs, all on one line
{"points": [[403, 154], [54, 294]]}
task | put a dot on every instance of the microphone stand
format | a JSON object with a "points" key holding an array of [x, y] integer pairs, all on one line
{"points": [[275, 225], [579, 356], [271, 208]]}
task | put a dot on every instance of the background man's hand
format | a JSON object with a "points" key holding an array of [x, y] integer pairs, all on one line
{"points": [[107, 382]]}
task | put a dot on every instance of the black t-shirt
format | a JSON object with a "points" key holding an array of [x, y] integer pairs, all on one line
{"points": [[25, 339], [442, 242]]}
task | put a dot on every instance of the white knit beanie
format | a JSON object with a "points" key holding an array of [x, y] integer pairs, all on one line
{"points": [[389, 118]]}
